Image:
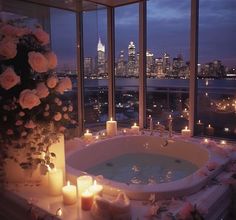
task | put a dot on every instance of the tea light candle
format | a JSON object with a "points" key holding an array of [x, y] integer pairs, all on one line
{"points": [[186, 132], [55, 182], [86, 200], [135, 129], [88, 136], [111, 128], [69, 194], [96, 189], [83, 183], [210, 130], [206, 141]]}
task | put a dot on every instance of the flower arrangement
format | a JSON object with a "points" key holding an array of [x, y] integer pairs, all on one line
{"points": [[33, 107]]}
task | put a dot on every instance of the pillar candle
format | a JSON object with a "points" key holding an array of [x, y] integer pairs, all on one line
{"points": [[210, 130], [83, 183], [135, 129], [186, 132], [69, 194], [86, 200], [55, 182], [88, 136], [96, 189], [200, 127], [111, 128]]}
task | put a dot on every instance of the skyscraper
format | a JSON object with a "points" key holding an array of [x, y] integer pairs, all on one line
{"points": [[88, 67], [150, 63], [131, 58], [166, 63], [121, 65], [101, 62]]}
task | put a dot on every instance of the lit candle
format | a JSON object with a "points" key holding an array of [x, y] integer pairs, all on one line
{"points": [[210, 130], [83, 183], [96, 189], [186, 132], [206, 141], [150, 122], [86, 200], [69, 194], [88, 136], [200, 127], [223, 142], [55, 182], [135, 129], [111, 128]]}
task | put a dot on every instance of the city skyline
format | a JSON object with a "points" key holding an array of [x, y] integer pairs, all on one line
{"points": [[168, 29]]}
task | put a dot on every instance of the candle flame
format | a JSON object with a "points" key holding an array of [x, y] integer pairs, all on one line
{"points": [[111, 119], [87, 131], [199, 121], [223, 142], [158, 122], [149, 116], [209, 126], [95, 183], [135, 124], [206, 140], [59, 212], [68, 183], [186, 127], [169, 116]]}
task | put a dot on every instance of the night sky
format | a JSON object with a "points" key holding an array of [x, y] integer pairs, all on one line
{"points": [[168, 30]]}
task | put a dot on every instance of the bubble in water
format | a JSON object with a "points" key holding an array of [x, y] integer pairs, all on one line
{"points": [[135, 168], [146, 145]]}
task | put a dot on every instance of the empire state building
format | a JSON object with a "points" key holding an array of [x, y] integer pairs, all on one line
{"points": [[101, 62]]}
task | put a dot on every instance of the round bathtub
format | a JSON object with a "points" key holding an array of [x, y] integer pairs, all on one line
{"points": [[88, 156]]}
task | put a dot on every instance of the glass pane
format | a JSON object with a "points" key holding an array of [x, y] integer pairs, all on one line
{"points": [[127, 58], [168, 62], [95, 69], [216, 69]]}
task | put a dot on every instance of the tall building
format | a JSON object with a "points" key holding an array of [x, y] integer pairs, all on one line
{"points": [[166, 63], [88, 67], [150, 63], [159, 67], [131, 59], [101, 61], [121, 65]]}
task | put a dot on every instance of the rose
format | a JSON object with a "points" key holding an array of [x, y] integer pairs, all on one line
{"points": [[64, 84], [9, 79], [8, 48], [52, 82], [38, 62], [10, 132], [52, 60], [8, 30], [30, 124], [19, 123], [41, 36], [57, 116], [42, 90], [66, 116], [28, 99]]}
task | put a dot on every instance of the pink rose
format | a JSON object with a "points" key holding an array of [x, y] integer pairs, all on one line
{"points": [[42, 90], [9, 79], [8, 30], [38, 62], [57, 116], [41, 36], [64, 109], [19, 122], [70, 108], [28, 99], [66, 116], [52, 60], [64, 84], [30, 124], [8, 48], [185, 211], [47, 107], [52, 82]]}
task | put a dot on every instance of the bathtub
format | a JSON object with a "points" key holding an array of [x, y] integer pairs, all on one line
{"points": [[85, 157]]}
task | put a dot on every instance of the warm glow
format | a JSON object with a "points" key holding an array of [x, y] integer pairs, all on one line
{"points": [[68, 183], [158, 122], [135, 124], [97, 137], [94, 182], [169, 116], [87, 193], [209, 126], [199, 121], [149, 116], [59, 212], [186, 127], [87, 131], [111, 119], [124, 130], [223, 142], [206, 140]]}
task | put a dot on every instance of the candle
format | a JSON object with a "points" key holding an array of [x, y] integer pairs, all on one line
{"points": [[83, 183], [96, 189], [111, 128], [86, 200], [186, 132], [200, 127], [55, 182], [210, 130], [150, 122], [223, 142], [88, 136], [206, 141], [135, 129], [69, 194]]}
